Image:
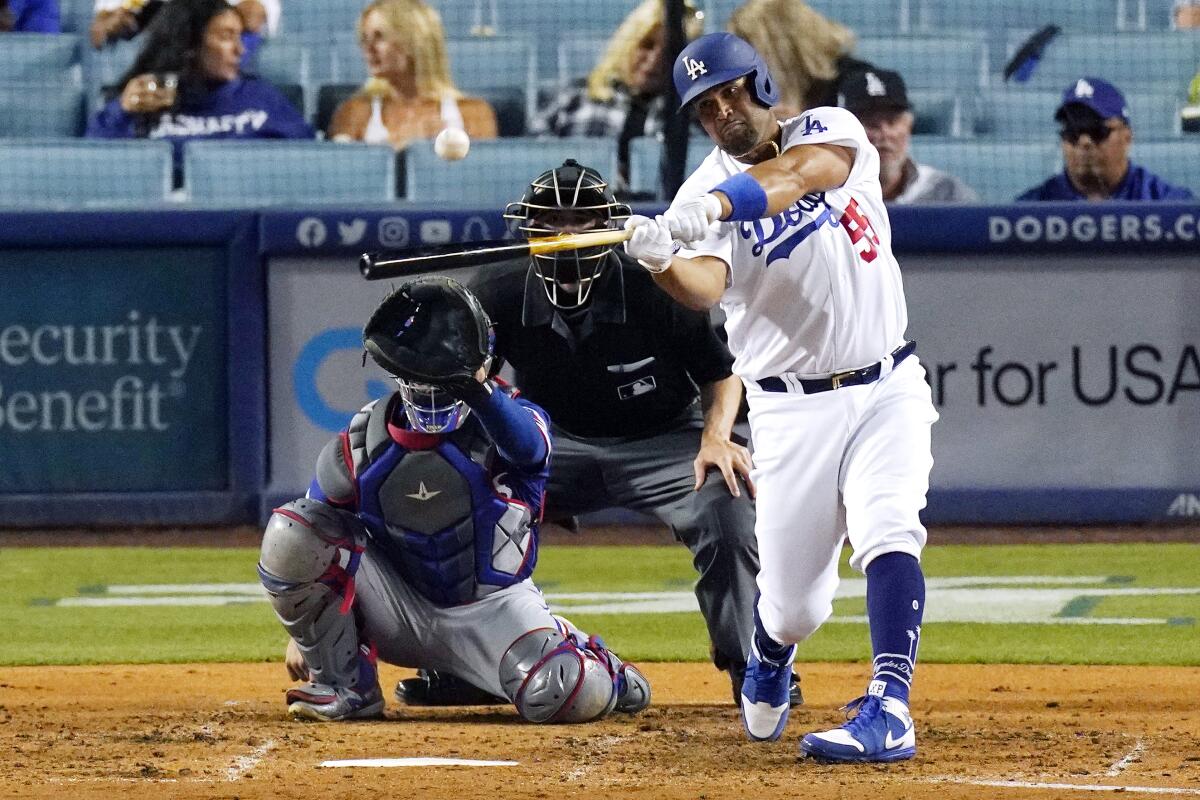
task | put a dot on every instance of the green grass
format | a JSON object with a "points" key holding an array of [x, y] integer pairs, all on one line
{"points": [[39, 633]]}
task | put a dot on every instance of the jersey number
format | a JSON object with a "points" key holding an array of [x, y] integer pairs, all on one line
{"points": [[859, 229]]}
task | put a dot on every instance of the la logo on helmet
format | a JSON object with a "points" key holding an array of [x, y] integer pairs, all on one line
{"points": [[694, 68]]}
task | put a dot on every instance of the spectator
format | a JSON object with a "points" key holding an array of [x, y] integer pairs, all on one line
{"points": [[626, 95], [29, 16], [879, 99], [806, 53], [1096, 136], [185, 85], [123, 19], [404, 47], [1185, 14]]}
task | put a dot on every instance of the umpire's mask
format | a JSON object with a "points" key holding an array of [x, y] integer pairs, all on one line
{"points": [[426, 334], [570, 199]]}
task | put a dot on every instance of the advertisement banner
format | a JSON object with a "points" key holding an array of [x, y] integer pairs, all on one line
{"points": [[1076, 374], [113, 370]]}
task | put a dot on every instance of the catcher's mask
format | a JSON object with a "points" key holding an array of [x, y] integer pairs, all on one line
{"points": [[429, 333], [569, 199]]}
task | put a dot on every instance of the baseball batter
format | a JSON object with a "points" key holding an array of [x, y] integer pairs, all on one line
{"points": [[784, 224], [419, 534]]}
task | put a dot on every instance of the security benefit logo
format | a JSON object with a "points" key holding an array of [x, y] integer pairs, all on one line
{"points": [[123, 375]]}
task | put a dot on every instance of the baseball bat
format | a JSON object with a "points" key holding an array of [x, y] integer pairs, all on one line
{"points": [[413, 261]]}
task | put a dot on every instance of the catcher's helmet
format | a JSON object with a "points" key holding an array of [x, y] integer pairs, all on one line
{"points": [[717, 58], [428, 334], [569, 198]]}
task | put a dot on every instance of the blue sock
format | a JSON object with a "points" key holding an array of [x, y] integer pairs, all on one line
{"points": [[895, 604], [768, 648]]}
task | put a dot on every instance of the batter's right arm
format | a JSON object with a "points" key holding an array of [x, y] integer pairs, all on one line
{"points": [[696, 283]]}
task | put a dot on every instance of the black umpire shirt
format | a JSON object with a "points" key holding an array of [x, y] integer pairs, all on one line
{"points": [[629, 365]]}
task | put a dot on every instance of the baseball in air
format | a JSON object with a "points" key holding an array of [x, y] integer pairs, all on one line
{"points": [[452, 144]]}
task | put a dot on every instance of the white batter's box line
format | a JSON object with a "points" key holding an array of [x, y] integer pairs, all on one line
{"points": [[416, 762], [1069, 787]]}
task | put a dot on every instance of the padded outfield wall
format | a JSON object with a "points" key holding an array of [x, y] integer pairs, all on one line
{"points": [[185, 367]]}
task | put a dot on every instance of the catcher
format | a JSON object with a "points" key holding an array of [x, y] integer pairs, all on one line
{"points": [[416, 541]]}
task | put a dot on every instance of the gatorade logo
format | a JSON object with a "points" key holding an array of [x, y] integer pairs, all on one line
{"points": [[694, 68]]}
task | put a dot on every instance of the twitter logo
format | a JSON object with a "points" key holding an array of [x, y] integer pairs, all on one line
{"points": [[352, 233]]}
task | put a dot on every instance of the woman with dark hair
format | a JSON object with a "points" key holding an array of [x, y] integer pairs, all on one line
{"points": [[185, 84]]}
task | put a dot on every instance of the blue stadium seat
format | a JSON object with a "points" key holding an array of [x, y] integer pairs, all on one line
{"points": [[41, 57], [1015, 114], [282, 62], [1177, 162], [1163, 61], [496, 172], [645, 156], [40, 109], [104, 68], [76, 15], [1150, 15], [79, 173], [866, 17], [938, 114], [255, 173], [1084, 16], [577, 56], [931, 62], [320, 16], [999, 171]]}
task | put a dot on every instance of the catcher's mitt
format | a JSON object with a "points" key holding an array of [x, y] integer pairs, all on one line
{"points": [[432, 331]]}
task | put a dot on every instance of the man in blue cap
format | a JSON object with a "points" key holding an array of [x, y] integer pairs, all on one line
{"points": [[1094, 127]]}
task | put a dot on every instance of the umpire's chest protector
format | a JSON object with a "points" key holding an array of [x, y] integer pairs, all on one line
{"points": [[445, 519]]}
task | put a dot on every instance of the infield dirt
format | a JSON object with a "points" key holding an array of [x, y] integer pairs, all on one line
{"points": [[218, 731]]}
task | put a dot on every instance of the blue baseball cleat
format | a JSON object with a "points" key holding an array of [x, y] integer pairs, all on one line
{"points": [[766, 699], [882, 730]]}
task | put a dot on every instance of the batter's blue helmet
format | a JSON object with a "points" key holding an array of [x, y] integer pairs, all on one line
{"points": [[717, 58]]}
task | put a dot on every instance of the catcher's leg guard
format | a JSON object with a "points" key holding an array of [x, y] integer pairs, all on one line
{"points": [[310, 553], [550, 678]]}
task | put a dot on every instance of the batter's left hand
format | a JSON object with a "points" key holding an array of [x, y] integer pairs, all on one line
{"points": [[689, 220], [729, 457]]}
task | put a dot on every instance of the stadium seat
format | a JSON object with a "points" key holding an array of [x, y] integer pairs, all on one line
{"points": [[1150, 15], [645, 156], [281, 62], [509, 104], [998, 171], [41, 57], [866, 17], [1084, 16], [76, 15], [1177, 162], [40, 109], [497, 171], [329, 97], [577, 56], [937, 114], [256, 173], [320, 16], [931, 62], [1160, 61], [78, 173], [104, 68], [1016, 114]]}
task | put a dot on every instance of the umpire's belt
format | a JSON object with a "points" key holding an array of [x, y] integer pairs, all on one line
{"points": [[854, 377]]}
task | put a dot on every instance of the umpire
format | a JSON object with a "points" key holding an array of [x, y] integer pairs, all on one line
{"points": [[641, 399]]}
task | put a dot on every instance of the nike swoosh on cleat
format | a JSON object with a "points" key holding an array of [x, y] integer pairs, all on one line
{"points": [[889, 742]]}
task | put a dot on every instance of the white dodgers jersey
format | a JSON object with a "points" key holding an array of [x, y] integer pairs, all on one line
{"points": [[814, 290]]}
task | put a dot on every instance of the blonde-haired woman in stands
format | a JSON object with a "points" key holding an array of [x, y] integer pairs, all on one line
{"points": [[627, 93], [409, 93], [806, 52]]}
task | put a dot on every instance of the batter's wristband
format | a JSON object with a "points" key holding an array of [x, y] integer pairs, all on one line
{"points": [[746, 196]]}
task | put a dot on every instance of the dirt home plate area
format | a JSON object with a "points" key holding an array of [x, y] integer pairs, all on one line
{"points": [[219, 731]]}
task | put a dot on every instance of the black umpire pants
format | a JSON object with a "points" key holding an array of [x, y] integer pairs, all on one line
{"points": [[653, 475]]}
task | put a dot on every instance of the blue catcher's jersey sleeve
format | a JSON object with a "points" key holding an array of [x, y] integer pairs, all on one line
{"points": [[525, 483]]}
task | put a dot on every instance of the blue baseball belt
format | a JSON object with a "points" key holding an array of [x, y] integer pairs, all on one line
{"points": [[854, 377]]}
